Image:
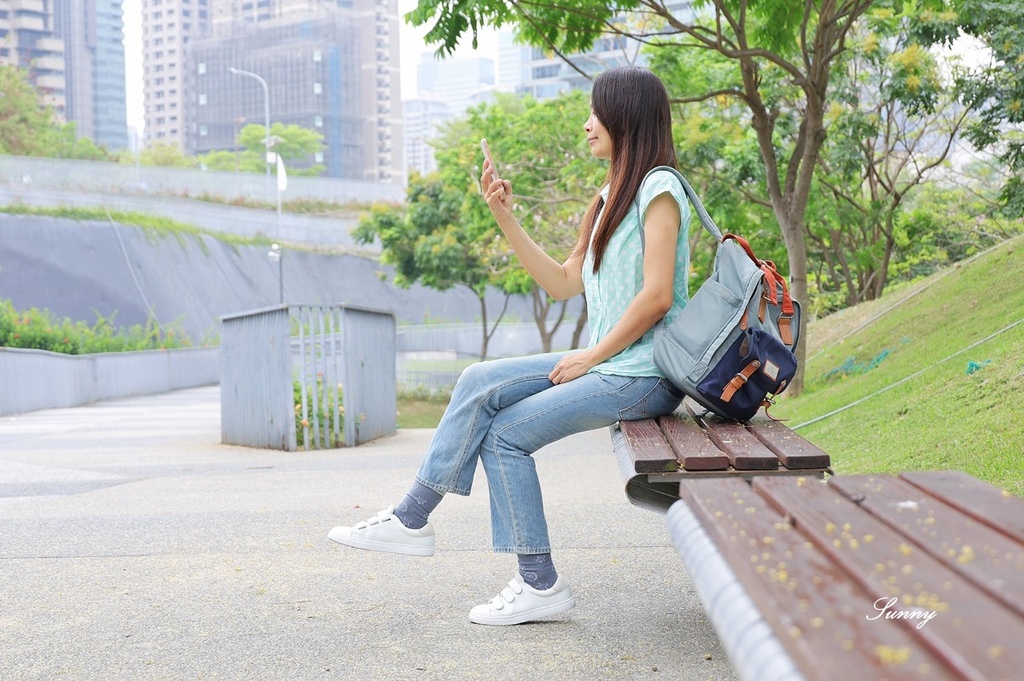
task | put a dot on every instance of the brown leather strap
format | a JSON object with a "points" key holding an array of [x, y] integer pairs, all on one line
{"points": [[785, 329], [739, 380]]}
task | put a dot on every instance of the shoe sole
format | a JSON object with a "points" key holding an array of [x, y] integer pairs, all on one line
{"points": [[384, 547], [524, 617]]}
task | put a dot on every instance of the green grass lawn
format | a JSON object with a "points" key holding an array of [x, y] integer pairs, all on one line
{"points": [[415, 413], [944, 416]]}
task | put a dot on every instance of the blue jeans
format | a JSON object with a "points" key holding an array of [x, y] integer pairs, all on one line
{"points": [[504, 410]]}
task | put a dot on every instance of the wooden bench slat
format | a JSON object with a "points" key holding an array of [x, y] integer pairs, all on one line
{"points": [[886, 565], [818, 614], [745, 452], [689, 442], [990, 559], [650, 452], [984, 502], [793, 451]]}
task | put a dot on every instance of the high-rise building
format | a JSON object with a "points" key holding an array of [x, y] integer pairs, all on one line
{"points": [[461, 82], [92, 31], [27, 39], [328, 66], [543, 74], [167, 28], [423, 117], [445, 90]]}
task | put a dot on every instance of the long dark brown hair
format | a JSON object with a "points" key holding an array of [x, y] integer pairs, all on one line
{"points": [[632, 105]]}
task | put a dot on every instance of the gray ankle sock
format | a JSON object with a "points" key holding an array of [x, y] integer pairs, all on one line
{"points": [[537, 570], [417, 504]]}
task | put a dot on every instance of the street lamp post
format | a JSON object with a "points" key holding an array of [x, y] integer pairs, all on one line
{"points": [[277, 253], [266, 114]]}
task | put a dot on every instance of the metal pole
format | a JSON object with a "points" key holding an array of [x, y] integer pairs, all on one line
{"points": [[266, 118], [277, 253]]}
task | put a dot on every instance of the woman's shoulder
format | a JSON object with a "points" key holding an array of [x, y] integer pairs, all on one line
{"points": [[659, 181]]}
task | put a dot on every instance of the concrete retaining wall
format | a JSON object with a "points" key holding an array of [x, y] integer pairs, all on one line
{"points": [[36, 379]]}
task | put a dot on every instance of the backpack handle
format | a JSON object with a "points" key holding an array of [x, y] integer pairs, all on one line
{"points": [[702, 213], [766, 266]]}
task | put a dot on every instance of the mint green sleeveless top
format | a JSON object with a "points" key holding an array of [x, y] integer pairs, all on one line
{"points": [[612, 289]]}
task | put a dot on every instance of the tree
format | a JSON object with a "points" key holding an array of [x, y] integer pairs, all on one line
{"points": [[168, 155], [24, 121], [427, 242], [892, 123], [65, 143], [541, 148], [995, 89], [771, 45], [293, 142], [29, 128]]}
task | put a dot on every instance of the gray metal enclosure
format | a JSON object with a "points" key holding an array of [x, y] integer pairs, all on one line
{"points": [[307, 376]]}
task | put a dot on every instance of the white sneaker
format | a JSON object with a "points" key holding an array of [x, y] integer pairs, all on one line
{"points": [[385, 532], [519, 602]]}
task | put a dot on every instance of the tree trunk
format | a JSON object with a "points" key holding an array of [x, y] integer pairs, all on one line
{"points": [[488, 333], [541, 308], [581, 324], [485, 340]]}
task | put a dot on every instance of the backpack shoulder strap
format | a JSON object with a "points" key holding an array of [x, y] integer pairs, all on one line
{"points": [[705, 219]]}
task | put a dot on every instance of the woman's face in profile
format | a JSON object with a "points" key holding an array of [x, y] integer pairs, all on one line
{"points": [[598, 139]]}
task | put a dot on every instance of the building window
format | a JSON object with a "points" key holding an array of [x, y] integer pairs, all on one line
{"points": [[316, 55], [317, 88], [202, 131], [318, 121], [318, 157], [202, 99]]}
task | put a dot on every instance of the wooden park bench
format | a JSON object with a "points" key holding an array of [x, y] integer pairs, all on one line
{"points": [[916, 576], [656, 454]]}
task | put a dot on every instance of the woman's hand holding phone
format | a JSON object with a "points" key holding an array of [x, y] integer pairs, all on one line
{"points": [[497, 192], [487, 156]]}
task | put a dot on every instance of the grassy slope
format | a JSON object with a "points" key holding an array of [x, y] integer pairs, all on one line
{"points": [[943, 418]]}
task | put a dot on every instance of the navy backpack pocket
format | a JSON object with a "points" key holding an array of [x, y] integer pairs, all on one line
{"points": [[755, 366]]}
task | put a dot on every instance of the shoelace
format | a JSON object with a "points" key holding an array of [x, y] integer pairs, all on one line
{"points": [[377, 519], [507, 595]]}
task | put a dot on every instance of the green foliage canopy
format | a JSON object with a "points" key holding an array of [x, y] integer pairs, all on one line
{"points": [[29, 128]]}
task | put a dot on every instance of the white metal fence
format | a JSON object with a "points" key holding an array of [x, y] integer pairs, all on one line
{"points": [[307, 376]]}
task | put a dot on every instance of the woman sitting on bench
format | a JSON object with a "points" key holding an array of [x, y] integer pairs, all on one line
{"points": [[504, 410]]}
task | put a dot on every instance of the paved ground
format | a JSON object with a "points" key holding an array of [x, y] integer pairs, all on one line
{"points": [[134, 546]]}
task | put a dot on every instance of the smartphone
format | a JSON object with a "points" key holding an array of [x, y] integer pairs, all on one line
{"points": [[487, 154]]}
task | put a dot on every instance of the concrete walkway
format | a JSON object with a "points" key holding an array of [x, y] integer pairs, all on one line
{"points": [[134, 546]]}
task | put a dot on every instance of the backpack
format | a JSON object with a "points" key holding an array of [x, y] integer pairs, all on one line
{"points": [[731, 347]]}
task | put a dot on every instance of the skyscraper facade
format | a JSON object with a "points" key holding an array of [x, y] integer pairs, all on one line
{"points": [[92, 32], [168, 26], [328, 66]]}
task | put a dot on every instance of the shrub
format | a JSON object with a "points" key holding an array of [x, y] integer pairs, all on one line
{"points": [[40, 330], [320, 408]]}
